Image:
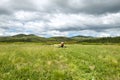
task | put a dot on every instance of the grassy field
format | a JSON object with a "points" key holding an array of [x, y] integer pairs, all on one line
{"points": [[33, 61]]}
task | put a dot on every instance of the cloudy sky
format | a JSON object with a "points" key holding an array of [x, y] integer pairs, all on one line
{"points": [[98, 18]]}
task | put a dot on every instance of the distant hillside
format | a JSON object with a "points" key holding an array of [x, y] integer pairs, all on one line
{"points": [[34, 38], [22, 38], [59, 39], [102, 40], [52, 40], [81, 38], [24, 35]]}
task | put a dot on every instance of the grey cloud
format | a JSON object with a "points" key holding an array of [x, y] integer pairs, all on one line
{"points": [[87, 6], [4, 11], [12, 6], [100, 6], [64, 6], [4, 27], [93, 28], [37, 13], [26, 5]]}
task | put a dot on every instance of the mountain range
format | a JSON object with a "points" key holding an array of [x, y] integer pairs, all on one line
{"points": [[74, 39]]}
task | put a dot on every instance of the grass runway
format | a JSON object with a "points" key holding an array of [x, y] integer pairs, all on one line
{"points": [[33, 61]]}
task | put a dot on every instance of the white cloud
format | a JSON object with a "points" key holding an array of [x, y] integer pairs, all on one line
{"points": [[104, 35], [57, 33], [84, 21], [111, 18], [60, 17], [35, 26], [15, 33], [3, 2], [25, 15], [2, 32]]}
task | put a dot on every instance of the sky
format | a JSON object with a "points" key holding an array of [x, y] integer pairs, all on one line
{"points": [[48, 18]]}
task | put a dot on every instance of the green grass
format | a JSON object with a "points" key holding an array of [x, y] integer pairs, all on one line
{"points": [[33, 61]]}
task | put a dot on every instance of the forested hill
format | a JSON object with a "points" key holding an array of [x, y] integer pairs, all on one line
{"points": [[102, 40], [22, 38], [74, 39]]}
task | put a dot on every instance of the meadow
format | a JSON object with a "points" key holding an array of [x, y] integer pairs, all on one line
{"points": [[34, 61]]}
